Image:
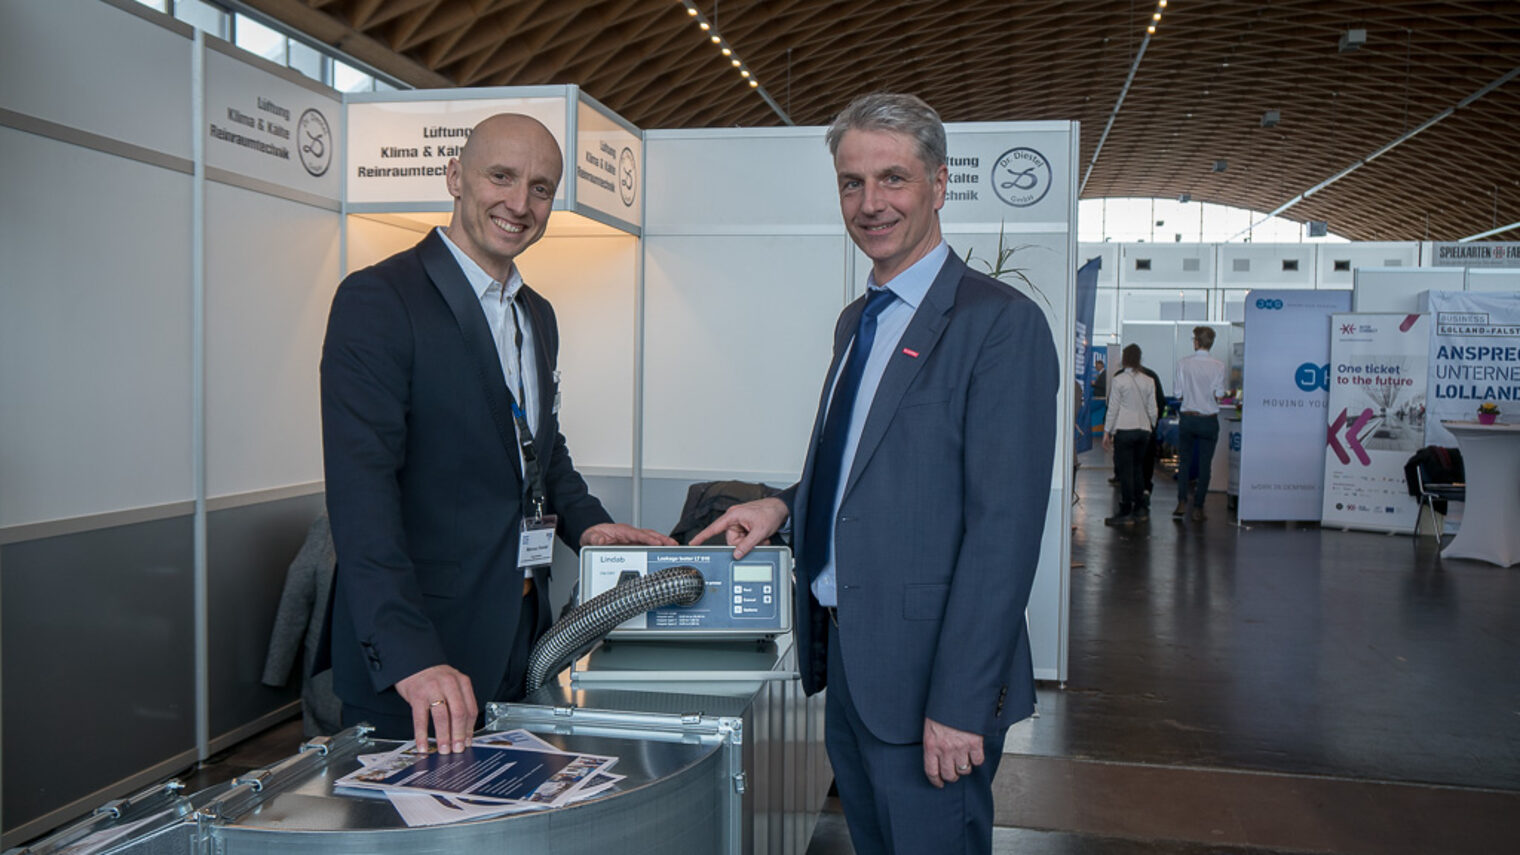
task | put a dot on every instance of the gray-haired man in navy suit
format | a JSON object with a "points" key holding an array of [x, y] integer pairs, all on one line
{"points": [[921, 507]]}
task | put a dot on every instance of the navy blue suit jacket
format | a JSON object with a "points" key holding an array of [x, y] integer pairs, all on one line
{"points": [[424, 484], [938, 533]]}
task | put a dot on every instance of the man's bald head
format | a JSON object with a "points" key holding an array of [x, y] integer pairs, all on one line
{"points": [[503, 184]]}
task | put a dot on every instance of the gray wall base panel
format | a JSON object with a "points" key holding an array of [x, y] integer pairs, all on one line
{"points": [[248, 550], [84, 805], [98, 661], [256, 727]]}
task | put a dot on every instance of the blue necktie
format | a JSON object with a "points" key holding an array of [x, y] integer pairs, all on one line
{"points": [[831, 441]]}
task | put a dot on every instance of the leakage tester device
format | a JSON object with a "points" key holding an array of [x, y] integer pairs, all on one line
{"points": [[748, 598]]}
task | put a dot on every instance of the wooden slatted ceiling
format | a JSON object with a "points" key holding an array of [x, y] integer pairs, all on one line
{"points": [[1209, 73]]}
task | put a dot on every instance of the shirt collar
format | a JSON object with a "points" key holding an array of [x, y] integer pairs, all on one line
{"points": [[912, 284], [480, 281]]}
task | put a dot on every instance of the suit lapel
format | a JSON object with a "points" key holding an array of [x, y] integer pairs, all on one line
{"points": [[921, 336], [444, 271]]}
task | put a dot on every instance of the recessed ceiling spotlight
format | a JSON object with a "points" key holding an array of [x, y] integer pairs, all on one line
{"points": [[744, 72], [1151, 28], [717, 40], [728, 51], [704, 26], [735, 62], [754, 83], [692, 11]]}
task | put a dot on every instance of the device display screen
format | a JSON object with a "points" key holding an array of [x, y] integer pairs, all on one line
{"points": [[752, 572]]}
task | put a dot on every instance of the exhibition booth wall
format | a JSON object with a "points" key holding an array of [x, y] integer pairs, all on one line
{"points": [[178, 214]]}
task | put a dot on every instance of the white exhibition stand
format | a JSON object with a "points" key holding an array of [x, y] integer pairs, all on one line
{"points": [[1491, 514]]}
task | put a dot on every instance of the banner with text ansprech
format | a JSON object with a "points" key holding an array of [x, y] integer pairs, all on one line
{"points": [[1474, 357]]}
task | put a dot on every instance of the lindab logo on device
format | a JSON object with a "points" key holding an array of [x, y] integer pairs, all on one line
{"points": [[1021, 177]]}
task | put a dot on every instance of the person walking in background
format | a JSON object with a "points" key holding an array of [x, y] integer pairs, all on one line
{"points": [[1152, 448], [1127, 431], [1200, 384]]}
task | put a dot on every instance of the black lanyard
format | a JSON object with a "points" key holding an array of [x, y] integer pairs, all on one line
{"points": [[533, 476]]}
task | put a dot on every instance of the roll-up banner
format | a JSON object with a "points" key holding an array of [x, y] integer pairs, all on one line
{"points": [[1287, 355], [1376, 419], [1087, 299], [1474, 357]]}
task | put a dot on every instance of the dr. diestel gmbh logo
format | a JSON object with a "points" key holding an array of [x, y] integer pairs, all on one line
{"points": [[1021, 177], [314, 142], [628, 177]]}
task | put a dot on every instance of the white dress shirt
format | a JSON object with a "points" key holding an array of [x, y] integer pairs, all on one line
{"points": [[1200, 383]]}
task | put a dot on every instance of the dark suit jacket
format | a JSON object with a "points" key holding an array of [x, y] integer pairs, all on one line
{"points": [[424, 485], [938, 533]]}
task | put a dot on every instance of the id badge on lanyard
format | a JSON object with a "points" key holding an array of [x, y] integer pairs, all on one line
{"points": [[535, 545]]}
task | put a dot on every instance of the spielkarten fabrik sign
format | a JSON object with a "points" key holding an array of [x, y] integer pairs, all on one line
{"points": [[1475, 254]]}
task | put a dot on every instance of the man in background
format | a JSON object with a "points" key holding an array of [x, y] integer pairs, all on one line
{"points": [[921, 508], [1200, 385]]}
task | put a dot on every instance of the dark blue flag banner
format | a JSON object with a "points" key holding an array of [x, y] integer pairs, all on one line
{"points": [[1087, 299]]}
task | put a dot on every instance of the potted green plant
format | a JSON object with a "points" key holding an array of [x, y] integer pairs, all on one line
{"points": [[1488, 411]]}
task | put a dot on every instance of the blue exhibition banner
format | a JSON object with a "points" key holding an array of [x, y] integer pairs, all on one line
{"points": [[1087, 299], [1287, 391]]}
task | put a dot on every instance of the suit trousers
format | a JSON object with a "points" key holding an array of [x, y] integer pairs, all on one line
{"points": [[1129, 460], [889, 805], [392, 726], [1195, 434]]}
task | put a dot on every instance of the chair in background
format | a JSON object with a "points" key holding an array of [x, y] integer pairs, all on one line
{"points": [[1435, 476]]}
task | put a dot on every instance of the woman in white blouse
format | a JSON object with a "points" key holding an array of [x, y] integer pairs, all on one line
{"points": [[1126, 432]]}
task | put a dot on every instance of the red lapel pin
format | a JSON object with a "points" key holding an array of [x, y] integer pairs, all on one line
{"points": [[911, 352]]}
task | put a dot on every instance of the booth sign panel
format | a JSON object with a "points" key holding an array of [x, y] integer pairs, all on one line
{"points": [[265, 127], [398, 151], [1474, 357], [1287, 391], [608, 165], [1006, 174], [1376, 419]]}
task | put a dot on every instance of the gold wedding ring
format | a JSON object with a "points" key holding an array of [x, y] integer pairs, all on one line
{"points": [[436, 703], [963, 768]]}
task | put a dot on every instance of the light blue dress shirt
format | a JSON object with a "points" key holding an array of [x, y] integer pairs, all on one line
{"points": [[910, 286]]}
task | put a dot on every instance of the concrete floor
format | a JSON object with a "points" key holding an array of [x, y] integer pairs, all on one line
{"points": [[1260, 689], [1267, 688]]}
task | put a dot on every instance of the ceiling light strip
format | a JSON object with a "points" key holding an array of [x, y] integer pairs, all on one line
{"points": [[1403, 138], [711, 30], [1490, 233], [1150, 30]]}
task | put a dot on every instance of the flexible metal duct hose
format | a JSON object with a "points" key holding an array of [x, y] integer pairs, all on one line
{"points": [[586, 624]]}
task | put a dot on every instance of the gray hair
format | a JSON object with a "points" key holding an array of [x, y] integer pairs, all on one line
{"points": [[898, 113]]}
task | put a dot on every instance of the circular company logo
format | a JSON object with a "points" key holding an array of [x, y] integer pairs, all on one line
{"points": [[1310, 377], [628, 176], [1269, 304], [314, 142], [1021, 177]]}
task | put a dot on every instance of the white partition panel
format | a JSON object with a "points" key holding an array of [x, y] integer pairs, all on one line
{"points": [[373, 238], [1398, 289], [1336, 263], [75, 49], [95, 328], [590, 282], [1281, 265], [1493, 279], [272, 267], [756, 181], [738, 331]]}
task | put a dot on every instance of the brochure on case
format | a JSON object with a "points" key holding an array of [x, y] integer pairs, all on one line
{"points": [[504, 768]]}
